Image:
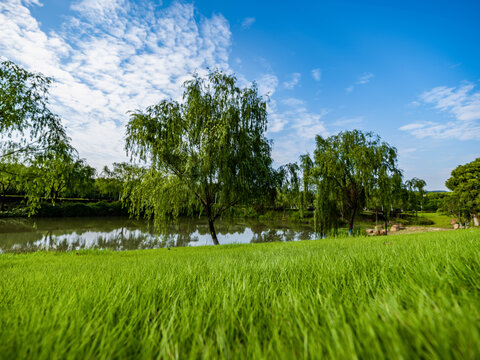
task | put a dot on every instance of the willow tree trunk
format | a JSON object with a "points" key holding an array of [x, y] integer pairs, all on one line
{"points": [[211, 227], [211, 219]]}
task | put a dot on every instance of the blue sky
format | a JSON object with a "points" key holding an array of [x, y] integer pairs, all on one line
{"points": [[407, 70]]}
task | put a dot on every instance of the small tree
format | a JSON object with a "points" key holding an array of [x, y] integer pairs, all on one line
{"points": [[348, 168], [208, 153], [454, 204], [57, 175], [110, 182], [288, 190], [10, 180], [386, 193], [306, 165], [465, 184], [416, 193]]}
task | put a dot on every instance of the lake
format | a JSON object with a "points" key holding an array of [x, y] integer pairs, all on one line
{"points": [[119, 233]]}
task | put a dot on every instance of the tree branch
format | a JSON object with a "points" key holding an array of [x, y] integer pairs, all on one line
{"points": [[225, 207]]}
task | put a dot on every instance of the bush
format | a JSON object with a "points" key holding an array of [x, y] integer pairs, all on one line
{"points": [[72, 209], [241, 212], [421, 221], [17, 212], [270, 215]]}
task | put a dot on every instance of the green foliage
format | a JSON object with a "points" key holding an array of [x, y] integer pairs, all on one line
{"points": [[242, 212], [416, 194], [288, 187], [32, 137], [437, 219], [465, 184], [71, 209], [76, 209], [27, 126], [17, 212], [307, 197], [56, 175], [411, 219], [295, 185], [110, 183], [413, 297], [387, 193], [350, 168], [11, 179], [208, 152], [433, 200]]}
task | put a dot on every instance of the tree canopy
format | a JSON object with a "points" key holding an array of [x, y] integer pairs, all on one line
{"points": [[208, 152], [110, 182], [27, 126], [349, 168], [465, 184], [31, 135], [416, 192]]}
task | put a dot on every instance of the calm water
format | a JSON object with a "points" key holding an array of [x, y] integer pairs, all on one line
{"points": [[117, 233]]}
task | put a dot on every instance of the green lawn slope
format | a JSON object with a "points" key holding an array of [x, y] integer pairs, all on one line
{"points": [[406, 296]]}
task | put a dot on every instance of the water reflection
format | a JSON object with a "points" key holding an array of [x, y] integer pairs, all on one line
{"points": [[26, 235]]}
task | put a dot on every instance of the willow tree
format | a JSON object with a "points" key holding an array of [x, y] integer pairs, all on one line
{"points": [[29, 132], [306, 165], [27, 126], [208, 152], [349, 168], [386, 193], [416, 193], [288, 189]]}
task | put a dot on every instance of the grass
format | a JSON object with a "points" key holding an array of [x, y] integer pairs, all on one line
{"points": [[439, 220], [411, 296]]}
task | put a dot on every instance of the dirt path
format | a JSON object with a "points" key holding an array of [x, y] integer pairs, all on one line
{"points": [[417, 229]]}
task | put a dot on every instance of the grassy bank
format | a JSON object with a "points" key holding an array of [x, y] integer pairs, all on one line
{"points": [[438, 219], [391, 297]]}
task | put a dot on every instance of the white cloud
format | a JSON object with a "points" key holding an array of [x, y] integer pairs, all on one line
{"points": [[300, 129], [461, 103], [295, 78], [276, 121], [348, 121], [111, 57], [451, 130], [267, 84], [296, 118], [293, 102], [295, 128], [407, 152], [362, 80], [247, 22], [309, 125], [317, 74]]}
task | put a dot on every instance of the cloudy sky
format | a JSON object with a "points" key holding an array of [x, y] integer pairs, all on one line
{"points": [[409, 71]]}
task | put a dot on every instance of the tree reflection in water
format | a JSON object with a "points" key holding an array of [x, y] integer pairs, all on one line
{"points": [[27, 235]]}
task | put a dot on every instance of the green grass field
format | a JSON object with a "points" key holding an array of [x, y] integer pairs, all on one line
{"points": [[395, 297], [440, 220]]}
